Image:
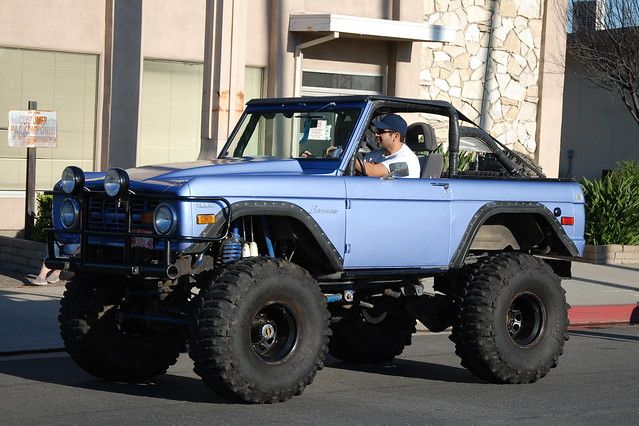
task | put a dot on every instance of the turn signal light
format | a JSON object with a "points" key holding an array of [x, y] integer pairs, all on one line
{"points": [[567, 220], [147, 218], [205, 219]]}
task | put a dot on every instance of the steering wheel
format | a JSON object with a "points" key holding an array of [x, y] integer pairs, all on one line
{"points": [[369, 140]]}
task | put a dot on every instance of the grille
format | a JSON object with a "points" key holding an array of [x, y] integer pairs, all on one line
{"points": [[106, 215]]}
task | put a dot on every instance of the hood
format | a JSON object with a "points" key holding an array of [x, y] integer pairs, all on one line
{"points": [[179, 173]]}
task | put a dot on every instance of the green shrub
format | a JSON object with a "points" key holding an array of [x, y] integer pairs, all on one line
{"points": [[43, 218], [629, 169], [612, 206], [464, 160]]}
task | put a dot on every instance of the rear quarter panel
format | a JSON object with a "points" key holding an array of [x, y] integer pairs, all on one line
{"points": [[469, 195]]}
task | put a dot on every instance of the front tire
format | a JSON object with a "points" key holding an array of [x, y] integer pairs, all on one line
{"points": [[92, 335], [372, 335], [513, 320], [260, 331]]}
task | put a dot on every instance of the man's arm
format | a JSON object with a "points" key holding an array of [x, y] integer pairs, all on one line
{"points": [[372, 169]]}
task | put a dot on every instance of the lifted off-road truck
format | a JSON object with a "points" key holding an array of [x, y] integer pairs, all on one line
{"points": [[266, 258]]}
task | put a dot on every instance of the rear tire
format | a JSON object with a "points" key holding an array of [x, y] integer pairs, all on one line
{"points": [[260, 331], [92, 336], [372, 336], [513, 320]]}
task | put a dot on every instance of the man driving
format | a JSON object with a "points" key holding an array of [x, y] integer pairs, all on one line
{"points": [[393, 155]]}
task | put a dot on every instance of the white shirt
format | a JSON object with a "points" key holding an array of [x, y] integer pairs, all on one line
{"points": [[404, 155]]}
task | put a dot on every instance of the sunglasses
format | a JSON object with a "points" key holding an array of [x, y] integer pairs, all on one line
{"points": [[381, 132]]}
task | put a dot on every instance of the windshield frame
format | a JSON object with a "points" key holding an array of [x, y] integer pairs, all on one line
{"points": [[308, 106]]}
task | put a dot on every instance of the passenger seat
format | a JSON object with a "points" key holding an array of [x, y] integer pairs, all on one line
{"points": [[431, 163]]}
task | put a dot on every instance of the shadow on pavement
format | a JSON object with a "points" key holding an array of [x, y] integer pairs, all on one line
{"points": [[607, 284], [11, 279], [410, 369], [28, 320], [603, 335], [634, 268], [63, 371]]}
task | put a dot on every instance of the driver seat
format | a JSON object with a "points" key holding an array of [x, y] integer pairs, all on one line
{"points": [[431, 163]]}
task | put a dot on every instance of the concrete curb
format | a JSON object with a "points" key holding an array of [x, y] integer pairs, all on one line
{"points": [[604, 314]]}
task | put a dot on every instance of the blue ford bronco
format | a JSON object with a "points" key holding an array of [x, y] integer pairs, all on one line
{"points": [[276, 252]]}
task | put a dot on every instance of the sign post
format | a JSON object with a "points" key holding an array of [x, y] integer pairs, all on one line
{"points": [[29, 202], [32, 129]]}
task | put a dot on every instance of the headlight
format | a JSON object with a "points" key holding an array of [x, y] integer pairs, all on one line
{"points": [[116, 182], [72, 179], [69, 213], [164, 219]]}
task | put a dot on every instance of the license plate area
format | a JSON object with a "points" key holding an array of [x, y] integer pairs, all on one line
{"points": [[142, 242]]}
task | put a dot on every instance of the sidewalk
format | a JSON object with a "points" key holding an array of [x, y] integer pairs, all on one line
{"points": [[598, 294]]}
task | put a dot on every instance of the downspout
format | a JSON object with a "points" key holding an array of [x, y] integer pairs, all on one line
{"points": [[299, 56], [488, 71]]}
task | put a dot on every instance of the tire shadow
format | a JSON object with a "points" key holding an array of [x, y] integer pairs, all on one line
{"points": [[61, 370], [410, 369]]}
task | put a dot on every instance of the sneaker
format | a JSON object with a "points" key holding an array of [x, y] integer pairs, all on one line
{"points": [[39, 281], [52, 279]]}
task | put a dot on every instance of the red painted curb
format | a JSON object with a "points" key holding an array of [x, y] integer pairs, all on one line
{"points": [[604, 314]]}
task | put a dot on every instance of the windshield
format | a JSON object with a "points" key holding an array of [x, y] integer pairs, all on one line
{"points": [[321, 131]]}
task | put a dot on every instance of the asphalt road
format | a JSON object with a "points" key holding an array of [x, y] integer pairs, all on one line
{"points": [[597, 382]]}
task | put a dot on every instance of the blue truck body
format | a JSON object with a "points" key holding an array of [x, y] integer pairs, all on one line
{"points": [[294, 254]]}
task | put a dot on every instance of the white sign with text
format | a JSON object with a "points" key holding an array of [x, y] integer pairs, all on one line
{"points": [[33, 129]]}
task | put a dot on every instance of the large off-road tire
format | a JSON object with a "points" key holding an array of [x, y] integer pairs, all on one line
{"points": [[372, 335], [260, 331], [513, 319], [96, 342]]}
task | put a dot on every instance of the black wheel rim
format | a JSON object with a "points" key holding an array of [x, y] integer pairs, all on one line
{"points": [[526, 319], [274, 332]]}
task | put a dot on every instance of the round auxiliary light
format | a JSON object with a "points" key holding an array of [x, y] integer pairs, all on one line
{"points": [[72, 179], [164, 219], [116, 182], [69, 213]]}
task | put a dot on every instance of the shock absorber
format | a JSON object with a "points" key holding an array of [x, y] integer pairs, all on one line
{"points": [[232, 248]]}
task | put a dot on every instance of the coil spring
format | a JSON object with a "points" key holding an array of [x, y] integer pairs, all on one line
{"points": [[231, 251], [232, 248]]}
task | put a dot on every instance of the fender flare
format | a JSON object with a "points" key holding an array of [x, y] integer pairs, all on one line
{"points": [[493, 208], [278, 208]]}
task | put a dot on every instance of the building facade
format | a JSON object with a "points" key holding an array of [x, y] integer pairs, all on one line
{"points": [[137, 82]]}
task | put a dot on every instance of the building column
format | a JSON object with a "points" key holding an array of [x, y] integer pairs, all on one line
{"points": [[551, 87], [122, 74], [224, 63], [281, 61], [403, 69]]}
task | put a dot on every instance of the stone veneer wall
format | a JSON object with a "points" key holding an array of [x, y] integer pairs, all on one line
{"points": [[456, 71]]}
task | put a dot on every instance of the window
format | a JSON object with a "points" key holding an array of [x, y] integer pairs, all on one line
{"points": [[316, 83], [63, 82], [172, 108], [170, 113], [305, 131]]}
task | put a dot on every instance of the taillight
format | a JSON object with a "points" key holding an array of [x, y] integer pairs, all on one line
{"points": [[567, 220]]}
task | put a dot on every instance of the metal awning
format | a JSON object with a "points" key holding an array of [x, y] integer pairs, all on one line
{"points": [[359, 27]]}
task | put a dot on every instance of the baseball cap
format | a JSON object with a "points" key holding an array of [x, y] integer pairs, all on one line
{"points": [[392, 122]]}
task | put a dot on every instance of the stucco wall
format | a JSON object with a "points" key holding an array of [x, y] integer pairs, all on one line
{"points": [[597, 127], [61, 25]]}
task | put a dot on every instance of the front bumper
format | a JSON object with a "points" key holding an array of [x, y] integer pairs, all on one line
{"points": [[164, 262]]}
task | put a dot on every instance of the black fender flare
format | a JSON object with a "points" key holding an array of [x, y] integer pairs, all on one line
{"points": [[493, 208], [277, 208]]}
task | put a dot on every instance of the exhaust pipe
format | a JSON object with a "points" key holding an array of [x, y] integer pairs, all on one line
{"points": [[172, 271]]}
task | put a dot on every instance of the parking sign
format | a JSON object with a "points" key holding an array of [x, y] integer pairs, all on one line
{"points": [[33, 129]]}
